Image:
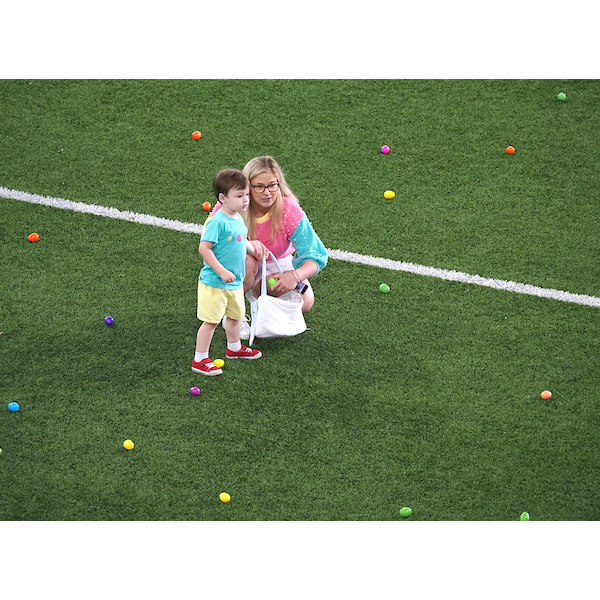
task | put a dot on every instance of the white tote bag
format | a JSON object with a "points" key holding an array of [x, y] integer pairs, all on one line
{"points": [[275, 317]]}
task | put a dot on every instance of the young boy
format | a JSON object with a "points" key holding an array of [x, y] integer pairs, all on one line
{"points": [[223, 248]]}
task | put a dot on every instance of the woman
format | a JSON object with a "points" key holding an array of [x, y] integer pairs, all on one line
{"points": [[275, 219]]}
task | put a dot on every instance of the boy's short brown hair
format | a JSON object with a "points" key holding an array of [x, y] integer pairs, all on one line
{"points": [[227, 180]]}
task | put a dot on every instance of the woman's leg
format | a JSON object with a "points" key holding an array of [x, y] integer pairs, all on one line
{"points": [[308, 297], [251, 271]]}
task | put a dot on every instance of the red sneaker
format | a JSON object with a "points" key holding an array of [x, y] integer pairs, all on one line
{"points": [[243, 353], [206, 367]]}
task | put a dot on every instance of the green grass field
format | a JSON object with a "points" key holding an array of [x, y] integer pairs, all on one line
{"points": [[427, 397]]}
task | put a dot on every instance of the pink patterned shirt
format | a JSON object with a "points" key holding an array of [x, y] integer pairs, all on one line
{"points": [[281, 246]]}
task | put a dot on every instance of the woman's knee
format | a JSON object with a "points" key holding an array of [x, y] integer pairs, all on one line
{"points": [[308, 298], [251, 271]]}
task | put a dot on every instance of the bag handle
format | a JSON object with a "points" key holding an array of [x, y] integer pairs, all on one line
{"points": [[263, 284]]}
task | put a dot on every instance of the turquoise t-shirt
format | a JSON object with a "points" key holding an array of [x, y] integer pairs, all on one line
{"points": [[228, 236]]}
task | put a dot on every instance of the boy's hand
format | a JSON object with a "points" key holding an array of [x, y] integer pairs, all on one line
{"points": [[260, 249], [227, 276]]}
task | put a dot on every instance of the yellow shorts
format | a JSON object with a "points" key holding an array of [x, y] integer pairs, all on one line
{"points": [[214, 303]]}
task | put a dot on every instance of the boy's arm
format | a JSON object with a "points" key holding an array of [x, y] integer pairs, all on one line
{"points": [[256, 249], [208, 256]]}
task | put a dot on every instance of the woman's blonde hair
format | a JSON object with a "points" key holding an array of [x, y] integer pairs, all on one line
{"points": [[258, 166]]}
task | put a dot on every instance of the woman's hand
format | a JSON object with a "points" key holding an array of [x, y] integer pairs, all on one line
{"points": [[285, 282]]}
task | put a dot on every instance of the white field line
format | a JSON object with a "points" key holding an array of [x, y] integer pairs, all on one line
{"points": [[497, 284], [384, 263], [101, 211]]}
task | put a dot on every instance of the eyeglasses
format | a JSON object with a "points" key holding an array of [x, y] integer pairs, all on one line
{"points": [[260, 188]]}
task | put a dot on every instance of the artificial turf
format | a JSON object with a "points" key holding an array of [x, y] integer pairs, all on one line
{"points": [[425, 397]]}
